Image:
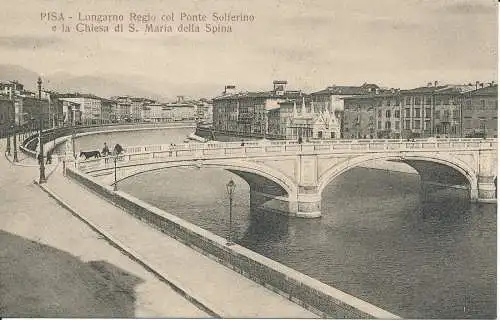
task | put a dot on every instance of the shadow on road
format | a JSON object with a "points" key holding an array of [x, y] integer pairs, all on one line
{"points": [[37, 280]]}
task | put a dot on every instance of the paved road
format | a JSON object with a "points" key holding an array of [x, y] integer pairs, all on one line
{"points": [[53, 265], [37, 217]]}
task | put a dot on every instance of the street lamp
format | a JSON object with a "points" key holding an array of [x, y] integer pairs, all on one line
{"points": [[40, 157], [230, 186], [73, 137], [8, 140], [15, 141], [115, 186]]}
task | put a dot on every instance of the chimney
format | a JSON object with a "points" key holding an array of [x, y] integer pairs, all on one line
{"points": [[492, 83], [180, 99], [429, 84], [435, 83], [477, 85], [229, 89], [279, 87], [481, 85]]}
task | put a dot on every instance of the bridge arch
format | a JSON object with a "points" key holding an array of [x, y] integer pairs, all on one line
{"points": [[458, 165], [232, 165]]}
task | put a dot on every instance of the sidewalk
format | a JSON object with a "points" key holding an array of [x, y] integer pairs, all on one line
{"points": [[218, 288], [53, 265]]}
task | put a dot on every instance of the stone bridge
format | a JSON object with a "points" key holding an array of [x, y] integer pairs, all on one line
{"points": [[288, 177]]}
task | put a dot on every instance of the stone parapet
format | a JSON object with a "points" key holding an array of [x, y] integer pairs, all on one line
{"points": [[318, 297]]}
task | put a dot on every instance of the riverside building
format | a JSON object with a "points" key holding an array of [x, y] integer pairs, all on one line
{"points": [[433, 110]]}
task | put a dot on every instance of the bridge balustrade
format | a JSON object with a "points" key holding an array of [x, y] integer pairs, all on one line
{"points": [[234, 149]]}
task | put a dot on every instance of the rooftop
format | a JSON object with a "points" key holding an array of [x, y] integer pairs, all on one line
{"points": [[491, 90], [262, 94], [348, 90], [79, 95]]}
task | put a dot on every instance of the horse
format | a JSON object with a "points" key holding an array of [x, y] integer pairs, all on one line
{"points": [[89, 154]]}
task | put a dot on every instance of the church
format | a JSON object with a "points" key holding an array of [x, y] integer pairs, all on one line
{"points": [[290, 121]]}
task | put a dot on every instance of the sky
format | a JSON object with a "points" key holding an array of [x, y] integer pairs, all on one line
{"points": [[311, 44]]}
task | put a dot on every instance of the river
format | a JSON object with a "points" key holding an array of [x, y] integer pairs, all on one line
{"points": [[375, 239]]}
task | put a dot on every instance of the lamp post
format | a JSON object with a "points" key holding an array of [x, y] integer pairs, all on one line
{"points": [[230, 186], [15, 141], [115, 186], [8, 140], [40, 157], [73, 136]]}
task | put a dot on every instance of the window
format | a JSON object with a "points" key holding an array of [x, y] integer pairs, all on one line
{"points": [[379, 124], [417, 101], [455, 114], [417, 124], [387, 125], [468, 123], [427, 124], [388, 102], [428, 101], [407, 124], [397, 114], [408, 101], [397, 102], [380, 113], [407, 113], [427, 113], [417, 112], [483, 104], [446, 114], [396, 125], [388, 113], [332, 135], [437, 114]]}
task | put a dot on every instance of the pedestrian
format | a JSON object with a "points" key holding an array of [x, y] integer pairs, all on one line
{"points": [[118, 149], [300, 139], [105, 152], [40, 159], [49, 158]]}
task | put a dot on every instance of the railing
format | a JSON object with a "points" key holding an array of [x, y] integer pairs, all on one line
{"points": [[192, 151]]}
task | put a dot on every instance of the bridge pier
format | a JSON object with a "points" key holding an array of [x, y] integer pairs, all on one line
{"points": [[302, 205], [486, 189], [486, 183]]}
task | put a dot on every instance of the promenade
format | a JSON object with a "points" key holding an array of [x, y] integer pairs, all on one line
{"points": [[54, 262]]}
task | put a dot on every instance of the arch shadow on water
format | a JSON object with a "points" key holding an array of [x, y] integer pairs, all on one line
{"points": [[37, 280], [375, 240]]}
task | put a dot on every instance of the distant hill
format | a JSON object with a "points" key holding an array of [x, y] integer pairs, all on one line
{"points": [[100, 86], [23, 75], [63, 82], [107, 85]]}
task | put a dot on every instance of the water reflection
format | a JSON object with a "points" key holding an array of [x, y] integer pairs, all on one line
{"points": [[375, 240]]}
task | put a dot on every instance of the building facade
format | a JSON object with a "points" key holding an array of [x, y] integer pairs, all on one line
{"points": [[6, 115], [246, 113], [298, 118], [90, 107], [480, 112], [392, 114]]}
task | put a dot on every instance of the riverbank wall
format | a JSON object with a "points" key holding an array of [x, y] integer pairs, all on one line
{"points": [[316, 296]]}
